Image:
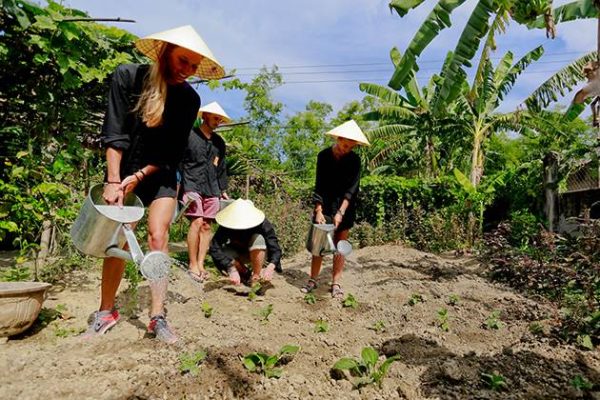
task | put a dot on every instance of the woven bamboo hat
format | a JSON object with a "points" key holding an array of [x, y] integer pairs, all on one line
{"points": [[350, 130], [214, 108], [184, 36], [241, 214]]}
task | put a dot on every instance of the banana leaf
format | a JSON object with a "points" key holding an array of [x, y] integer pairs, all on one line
{"points": [[580, 9], [468, 44], [559, 84], [436, 21]]}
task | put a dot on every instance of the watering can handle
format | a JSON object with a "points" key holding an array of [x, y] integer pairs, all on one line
{"points": [[136, 252]]}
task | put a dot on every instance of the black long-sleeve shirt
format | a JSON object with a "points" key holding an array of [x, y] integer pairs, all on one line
{"points": [[124, 129], [337, 180], [236, 237], [203, 166]]}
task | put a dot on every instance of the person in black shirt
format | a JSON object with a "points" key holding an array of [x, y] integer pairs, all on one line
{"points": [[245, 236], [336, 189], [204, 181], [151, 109]]}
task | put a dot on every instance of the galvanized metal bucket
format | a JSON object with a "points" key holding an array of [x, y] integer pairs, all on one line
{"points": [[100, 227]]}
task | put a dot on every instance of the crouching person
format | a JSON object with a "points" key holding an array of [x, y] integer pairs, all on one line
{"points": [[245, 244]]}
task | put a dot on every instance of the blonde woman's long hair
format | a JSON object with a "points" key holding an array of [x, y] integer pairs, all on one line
{"points": [[151, 103]]}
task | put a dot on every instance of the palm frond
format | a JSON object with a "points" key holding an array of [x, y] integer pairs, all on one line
{"points": [[436, 21], [559, 84], [402, 7], [391, 131], [412, 86]]}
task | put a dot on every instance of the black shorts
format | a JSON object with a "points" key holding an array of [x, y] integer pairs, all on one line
{"points": [[155, 186]]}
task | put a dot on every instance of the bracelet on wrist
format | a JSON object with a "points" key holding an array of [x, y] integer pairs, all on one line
{"points": [[341, 212], [143, 173], [137, 177], [112, 183]]}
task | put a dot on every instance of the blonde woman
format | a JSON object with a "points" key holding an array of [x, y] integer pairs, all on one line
{"points": [[151, 109], [336, 190]]}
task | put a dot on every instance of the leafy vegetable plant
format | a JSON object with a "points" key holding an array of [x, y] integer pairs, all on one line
{"points": [[365, 369], [266, 364], [350, 301], [190, 362], [321, 326]]}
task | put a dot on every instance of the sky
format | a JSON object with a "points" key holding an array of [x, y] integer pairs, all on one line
{"points": [[325, 48]]}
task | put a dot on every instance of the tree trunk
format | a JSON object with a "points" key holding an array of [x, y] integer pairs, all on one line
{"points": [[40, 260], [476, 161], [550, 180]]}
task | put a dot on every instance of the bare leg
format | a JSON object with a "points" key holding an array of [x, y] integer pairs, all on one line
{"points": [[112, 272], [193, 242], [315, 266], [205, 236], [159, 220], [338, 259], [257, 259]]}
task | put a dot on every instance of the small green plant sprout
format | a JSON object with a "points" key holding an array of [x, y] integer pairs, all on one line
{"points": [[310, 298], [350, 301], [365, 370], [207, 309], [453, 300], [15, 274], [63, 332], [580, 383], [189, 363], [443, 319], [264, 313], [495, 381], [266, 364], [253, 294], [493, 321], [321, 326], [415, 298], [585, 341], [536, 328], [378, 326]]}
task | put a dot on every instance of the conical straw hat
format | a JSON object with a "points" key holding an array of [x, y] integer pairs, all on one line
{"points": [[214, 108], [184, 36], [350, 130], [241, 214]]}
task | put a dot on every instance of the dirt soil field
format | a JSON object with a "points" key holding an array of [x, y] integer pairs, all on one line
{"points": [[50, 362]]}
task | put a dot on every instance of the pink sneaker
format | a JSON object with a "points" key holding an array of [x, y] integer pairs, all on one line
{"points": [[103, 321]]}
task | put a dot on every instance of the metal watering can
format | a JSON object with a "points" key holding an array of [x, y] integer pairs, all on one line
{"points": [[101, 230], [320, 241]]}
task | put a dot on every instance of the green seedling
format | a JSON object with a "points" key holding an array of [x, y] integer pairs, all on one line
{"points": [[66, 332], [453, 300], [265, 313], [580, 383], [16, 274], [415, 298], [310, 298], [321, 326], [443, 319], [536, 328], [365, 370], [585, 341], [253, 294], [494, 381], [207, 309], [266, 364], [493, 321], [350, 301], [378, 326], [189, 363]]}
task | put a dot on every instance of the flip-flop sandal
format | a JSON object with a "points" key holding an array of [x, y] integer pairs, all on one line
{"points": [[310, 286], [200, 278], [336, 291]]}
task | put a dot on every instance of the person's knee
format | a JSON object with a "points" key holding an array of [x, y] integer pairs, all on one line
{"points": [[205, 226], [157, 239], [197, 223]]}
